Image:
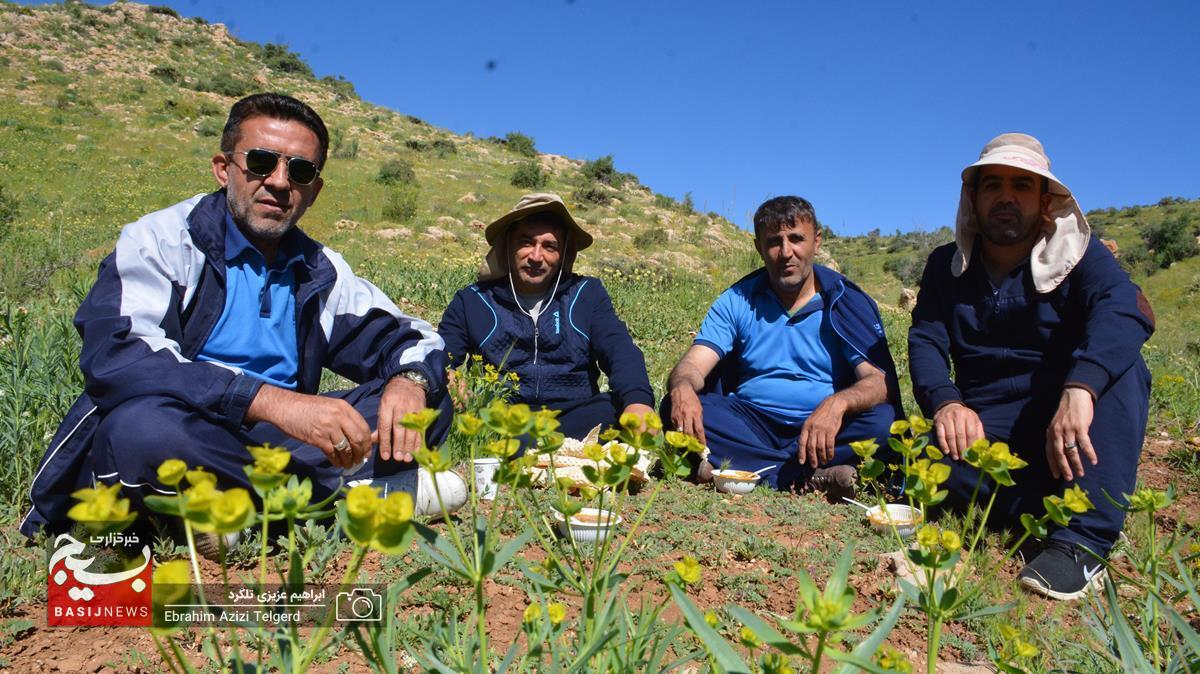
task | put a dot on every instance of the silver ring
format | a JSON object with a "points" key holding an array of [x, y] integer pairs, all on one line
{"points": [[1070, 446], [341, 445]]}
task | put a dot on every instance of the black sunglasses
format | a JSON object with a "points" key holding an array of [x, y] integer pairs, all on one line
{"points": [[262, 163]]}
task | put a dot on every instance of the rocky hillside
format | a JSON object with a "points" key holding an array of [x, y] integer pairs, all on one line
{"points": [[111, 111]]}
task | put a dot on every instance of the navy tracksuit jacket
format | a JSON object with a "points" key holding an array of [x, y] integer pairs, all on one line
{"points": [[559, 360], [1013, 350]]}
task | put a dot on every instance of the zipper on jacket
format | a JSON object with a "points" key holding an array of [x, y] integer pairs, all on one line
{"points": [[537, 379]]}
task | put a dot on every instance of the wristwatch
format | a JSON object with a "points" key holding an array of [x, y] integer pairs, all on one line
{"points": [[417, 378]]}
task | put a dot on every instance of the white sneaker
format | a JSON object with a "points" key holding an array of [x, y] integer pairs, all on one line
{"points": [[210, 548], [419, 483]]}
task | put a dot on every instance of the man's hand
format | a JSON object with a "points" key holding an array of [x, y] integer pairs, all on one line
{"points": [[1067, 440], [687, 378], [639, 410], [330, 424], [819, 435], [958, 427], [458, 384], [686, 412], [400, 397]]}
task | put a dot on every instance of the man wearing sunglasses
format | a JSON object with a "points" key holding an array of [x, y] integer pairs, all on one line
{"points": [[210, 324]]}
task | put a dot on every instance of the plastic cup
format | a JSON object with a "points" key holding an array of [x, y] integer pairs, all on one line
{"points": [[485, 478]]}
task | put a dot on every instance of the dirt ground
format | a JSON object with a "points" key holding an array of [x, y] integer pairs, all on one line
{"points": [[44, 649]]}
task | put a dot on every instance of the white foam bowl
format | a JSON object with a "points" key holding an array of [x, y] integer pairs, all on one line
{"points": [[735, 481], [593, 528], [905, 518]]}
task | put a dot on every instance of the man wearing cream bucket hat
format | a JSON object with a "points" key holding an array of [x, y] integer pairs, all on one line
{"points": [[530, 314], [1044, 330]]}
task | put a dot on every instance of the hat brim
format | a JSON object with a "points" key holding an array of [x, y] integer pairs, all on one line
{"points": [[1056, 185], [498, 229]]}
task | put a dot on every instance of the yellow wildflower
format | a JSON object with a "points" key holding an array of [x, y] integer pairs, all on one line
{"points": [[171, 471], [198, 476], [270, 460], [532, 612], [688, 569], [231, 511], [1076, 500]]}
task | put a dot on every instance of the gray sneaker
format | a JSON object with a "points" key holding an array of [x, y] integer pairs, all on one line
{"points": [[836, 482]]}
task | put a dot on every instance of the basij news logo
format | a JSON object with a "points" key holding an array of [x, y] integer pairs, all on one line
{"points": [[99, 582]]}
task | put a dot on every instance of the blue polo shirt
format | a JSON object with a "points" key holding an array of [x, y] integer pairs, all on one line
{"points": [[786, 364], [256, 332]]}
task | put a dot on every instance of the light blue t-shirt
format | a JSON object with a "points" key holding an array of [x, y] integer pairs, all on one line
{"points": [[257, 329], [786, 365]]}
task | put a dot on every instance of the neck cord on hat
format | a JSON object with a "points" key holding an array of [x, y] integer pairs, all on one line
{"points": [[517, 298]]}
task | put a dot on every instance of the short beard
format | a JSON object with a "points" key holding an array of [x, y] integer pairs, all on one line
{"points": [[1020, 230], [261, 228]]}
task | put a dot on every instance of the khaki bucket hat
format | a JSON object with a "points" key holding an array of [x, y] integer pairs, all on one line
{"points": [[495, 264], [1064, 237]]}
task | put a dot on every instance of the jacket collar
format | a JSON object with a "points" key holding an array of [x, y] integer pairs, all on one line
{"points": [[829, 283], [207, 224]]}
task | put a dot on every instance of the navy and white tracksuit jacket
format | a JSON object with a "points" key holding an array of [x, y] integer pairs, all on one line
{"points": [[152, 308]]}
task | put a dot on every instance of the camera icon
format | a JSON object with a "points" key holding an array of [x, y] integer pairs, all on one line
{"points": [[359, 604]]}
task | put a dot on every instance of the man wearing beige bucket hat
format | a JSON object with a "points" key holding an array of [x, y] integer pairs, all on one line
{"points": [[1044, 331], [529, 313]]}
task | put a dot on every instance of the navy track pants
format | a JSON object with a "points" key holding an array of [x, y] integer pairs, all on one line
{"points": [[136, 437], [1117, 432], [748, 439]]}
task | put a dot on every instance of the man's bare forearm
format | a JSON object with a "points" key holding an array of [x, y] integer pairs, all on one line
{"points": [[686, 374], [866, 393], [268, 403]]}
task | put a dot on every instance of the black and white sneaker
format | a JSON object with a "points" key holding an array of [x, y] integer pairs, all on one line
{"points": [[1062, 571]]}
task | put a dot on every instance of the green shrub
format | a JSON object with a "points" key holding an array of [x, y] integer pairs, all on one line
{"points": [[1171, 241], [520, 143], [443, 147], [55, 64], [279, 58], [209, 127], [529, 175], [340, 146], [346, 150], [592, 195], [908, 268], [416, 120], [401, 204], [163, 10], [651, 238], [147, 33], [416, 145], [396, 172], [663, 201], [689, 206], [602, 171], [223, 84], [343, 89], [166, 73]]}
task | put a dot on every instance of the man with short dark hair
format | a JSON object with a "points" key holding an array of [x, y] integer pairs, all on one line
{"points": [[1044, 331], [208, 328], [530, 314], [790, 365]]}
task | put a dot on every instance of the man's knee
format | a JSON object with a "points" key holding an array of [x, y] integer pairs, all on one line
{"points": [[135, 438], [873, 424]]}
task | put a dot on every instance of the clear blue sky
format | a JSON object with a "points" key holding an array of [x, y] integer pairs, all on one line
{"points": [[868, 109]]}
